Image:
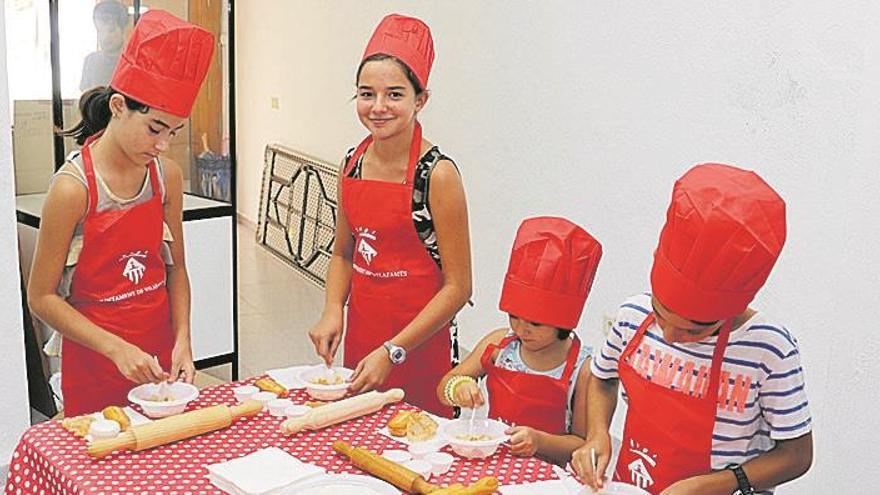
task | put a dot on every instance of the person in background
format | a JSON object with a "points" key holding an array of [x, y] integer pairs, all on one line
{"points": [[401, 255], [109, 272], [535, 369], [110, 18], [714, 388]]}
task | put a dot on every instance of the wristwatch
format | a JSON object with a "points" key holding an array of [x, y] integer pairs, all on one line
{"points": [[396, 353], [744, 486]]}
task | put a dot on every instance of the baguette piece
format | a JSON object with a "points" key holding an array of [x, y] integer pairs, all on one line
{"points": [[421, 427], [398, 423]]}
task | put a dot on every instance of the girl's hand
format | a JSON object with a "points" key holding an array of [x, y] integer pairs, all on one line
{"points": [[326, 336], [371, 372], [582, 461], [182, 361], [468, 395], [524, 441], [137, 365]]}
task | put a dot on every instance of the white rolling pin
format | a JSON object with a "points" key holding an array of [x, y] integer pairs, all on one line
{"points": [[337, 412]]}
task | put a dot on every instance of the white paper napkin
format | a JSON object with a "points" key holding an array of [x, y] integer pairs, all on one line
{"points": [[263, 472], [554, 487]]}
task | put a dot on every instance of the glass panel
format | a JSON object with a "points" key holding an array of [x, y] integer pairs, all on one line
{"points": [[30, 93], [202, 148], [92, 35]]}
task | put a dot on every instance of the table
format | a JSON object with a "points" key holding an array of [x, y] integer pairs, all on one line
{"points": [[50, 460]]}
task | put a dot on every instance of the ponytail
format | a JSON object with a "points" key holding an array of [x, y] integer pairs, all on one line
{"points": [[94, 109]]}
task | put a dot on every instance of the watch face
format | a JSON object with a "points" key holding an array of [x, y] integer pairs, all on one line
{"points": [[397, 355]]}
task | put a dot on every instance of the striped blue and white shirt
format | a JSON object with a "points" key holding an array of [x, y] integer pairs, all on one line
{"points": [[761, 397]]}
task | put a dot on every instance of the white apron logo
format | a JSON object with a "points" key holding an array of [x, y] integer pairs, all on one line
{"points": [[364, 248], [134, 269], [639, 472]]}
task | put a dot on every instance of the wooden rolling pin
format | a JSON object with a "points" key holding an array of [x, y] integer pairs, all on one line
{"points": [[337, 412], [174, 428], [406, 479]]}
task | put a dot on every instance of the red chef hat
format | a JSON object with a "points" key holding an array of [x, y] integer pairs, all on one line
{"points": [[724, 231], [552, 266], [406, 39], [164, 63]]}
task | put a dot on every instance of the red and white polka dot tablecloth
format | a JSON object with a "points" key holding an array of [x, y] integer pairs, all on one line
{"points": [[50, 460]]}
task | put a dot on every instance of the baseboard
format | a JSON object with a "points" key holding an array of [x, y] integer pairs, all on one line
{"points": [[246, 222]]}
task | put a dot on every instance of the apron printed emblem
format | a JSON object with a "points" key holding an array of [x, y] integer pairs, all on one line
{"points": [[364, 248], [134, 269], [638, 469]]}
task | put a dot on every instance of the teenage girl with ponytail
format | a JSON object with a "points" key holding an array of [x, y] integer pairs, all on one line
{"points": [[109, 272]]}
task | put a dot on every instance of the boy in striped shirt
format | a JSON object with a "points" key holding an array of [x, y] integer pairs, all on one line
{"points": [[715, 389]]}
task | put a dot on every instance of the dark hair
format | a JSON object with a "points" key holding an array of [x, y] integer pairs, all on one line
{"points": [[562, 333], [94, 108], [112, 10], [405, 68]]}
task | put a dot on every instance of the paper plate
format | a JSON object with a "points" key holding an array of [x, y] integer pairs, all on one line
{"points": [[341, 484]]}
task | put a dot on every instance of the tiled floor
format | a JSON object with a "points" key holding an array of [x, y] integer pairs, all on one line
{"points": [[276, 308]]}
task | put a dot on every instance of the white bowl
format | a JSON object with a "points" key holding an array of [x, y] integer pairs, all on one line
{"points": [[440, 462], [278, 406], [474, 449], [615, 488], [244, 392], [296, 411], [419, 466], [182, 393], [398, 456], [103, 428], [325, 392], [419, 450], [264, 398]]}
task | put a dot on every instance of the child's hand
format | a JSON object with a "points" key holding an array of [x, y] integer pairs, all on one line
{"points": [[524, 441], [468, 395]]}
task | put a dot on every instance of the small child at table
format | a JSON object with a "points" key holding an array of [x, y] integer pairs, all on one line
{"points": [[534, 370]]}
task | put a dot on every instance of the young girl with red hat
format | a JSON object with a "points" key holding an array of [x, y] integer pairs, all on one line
{"points": [[109, 271], [535, 373], [714, 388], [401, 255]]}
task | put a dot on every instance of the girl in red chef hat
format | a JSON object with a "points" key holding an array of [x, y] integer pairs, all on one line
{"points": [[401, 255], [534, 369], [715, 390], [109, 271]]}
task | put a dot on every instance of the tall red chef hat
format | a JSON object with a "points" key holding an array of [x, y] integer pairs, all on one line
{"points": [[407, 39], [724, 231], [164, 63], [551, 269]]}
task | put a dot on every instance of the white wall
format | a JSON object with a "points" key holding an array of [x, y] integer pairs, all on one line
{"points": [[14, 415], [591, 110]]}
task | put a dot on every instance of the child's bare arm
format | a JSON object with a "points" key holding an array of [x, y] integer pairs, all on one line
{"points": [[788, 460], [470, 365], [559, 448]]}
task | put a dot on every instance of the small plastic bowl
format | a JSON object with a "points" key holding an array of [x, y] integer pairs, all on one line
{"points": [[419, 466], [325, 392], [474, 449], [398, 456], [182, 393], [419, 450], [440, 462], [244, 392], [296, 411], [103, 428], [278, 406], [264, 398]]}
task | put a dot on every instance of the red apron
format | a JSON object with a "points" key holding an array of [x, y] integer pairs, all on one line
{"points": [[668, 434], [524, 399], [119, 284], [393, 278]]}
